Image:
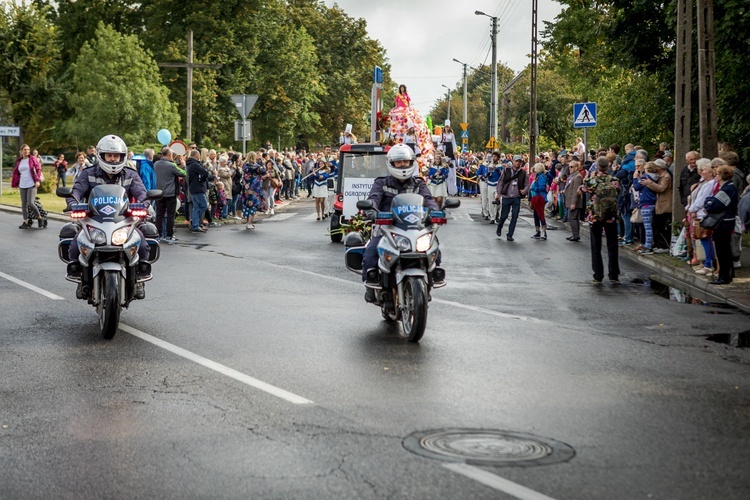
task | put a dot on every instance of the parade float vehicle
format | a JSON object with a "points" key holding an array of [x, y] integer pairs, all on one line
{"points": [[359, 166]]}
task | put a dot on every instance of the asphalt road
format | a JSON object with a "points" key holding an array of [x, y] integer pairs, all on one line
{"points": [[254, 369]]}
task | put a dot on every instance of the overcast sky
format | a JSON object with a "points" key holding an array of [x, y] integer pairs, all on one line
{"points": [[422, 37]]}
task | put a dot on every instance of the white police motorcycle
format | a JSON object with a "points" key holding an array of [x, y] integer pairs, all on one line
{"points": [[407, 259], [105, 230]]}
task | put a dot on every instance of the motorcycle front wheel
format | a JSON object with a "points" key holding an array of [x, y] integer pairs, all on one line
{"points": [[414, 312], [109, 304]]}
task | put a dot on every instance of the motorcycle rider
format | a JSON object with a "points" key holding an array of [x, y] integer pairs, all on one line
{"points": [[401, 166], [109, 168]]}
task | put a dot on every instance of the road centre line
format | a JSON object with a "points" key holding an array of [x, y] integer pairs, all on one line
{"points": [[31, 287], [217, 367], [496, 482], [471, 472]]}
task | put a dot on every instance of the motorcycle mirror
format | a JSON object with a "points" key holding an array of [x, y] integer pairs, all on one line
{"points": [[154, 194], [365, 205], [64, 192], [451, 203]]}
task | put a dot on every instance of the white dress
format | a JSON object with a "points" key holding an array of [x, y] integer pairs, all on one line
{"points": [[320, 188]]}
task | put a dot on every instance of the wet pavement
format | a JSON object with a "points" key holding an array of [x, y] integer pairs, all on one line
{"points": [[522, 357]]}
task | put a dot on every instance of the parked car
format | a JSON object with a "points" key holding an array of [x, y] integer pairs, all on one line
{"points": [[48, 159]]}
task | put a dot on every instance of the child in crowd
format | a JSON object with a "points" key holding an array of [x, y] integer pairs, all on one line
{"points": [[647, 204], [222, 207]]}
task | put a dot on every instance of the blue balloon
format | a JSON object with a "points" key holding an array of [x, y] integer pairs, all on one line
{"points": [[164, 136]]}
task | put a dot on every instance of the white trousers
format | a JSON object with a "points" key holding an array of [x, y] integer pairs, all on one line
{"points": [[485, 196], [493, 209]]}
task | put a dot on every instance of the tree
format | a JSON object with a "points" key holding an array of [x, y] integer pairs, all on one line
{"points": [[478, 92], [78, 20], [31, 58], [638, 36], [117, 90], [346, 60], [554, 106]]}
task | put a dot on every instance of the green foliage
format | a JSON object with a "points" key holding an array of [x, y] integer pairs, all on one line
{"points": [[79, 19], [555, 99], [627, 54], [478, 94], [30, 60], [346, 57], [117, 90]]}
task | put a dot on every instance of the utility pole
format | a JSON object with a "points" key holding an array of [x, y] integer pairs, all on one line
{"points": [[532, 111], [706, 79], [465, 90], [682, 98], [493, 97], [189, 65], [449, 103]]}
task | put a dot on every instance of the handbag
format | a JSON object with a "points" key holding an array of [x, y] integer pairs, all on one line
{"points": [[700, 232], [713, 221], [636, 217], [276, 183]]}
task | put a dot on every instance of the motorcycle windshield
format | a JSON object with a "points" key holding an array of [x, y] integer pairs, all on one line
{"points": [[108, 202], [408, 211]]}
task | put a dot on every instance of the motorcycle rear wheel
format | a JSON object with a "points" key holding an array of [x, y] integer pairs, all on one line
{"points": [[414, 312], [109, 305]]}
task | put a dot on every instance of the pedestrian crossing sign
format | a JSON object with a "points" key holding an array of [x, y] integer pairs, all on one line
{"points": [[464, 135], [584, 114]]}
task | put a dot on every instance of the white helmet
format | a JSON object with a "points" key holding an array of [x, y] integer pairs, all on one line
{"points": [[112, 144], [401, 152]]}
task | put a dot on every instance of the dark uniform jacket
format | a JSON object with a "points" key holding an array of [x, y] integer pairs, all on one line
{"points": [[384, 189], [93, 176]]}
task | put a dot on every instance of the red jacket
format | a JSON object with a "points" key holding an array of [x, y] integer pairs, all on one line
{"points": [[34, 166]]}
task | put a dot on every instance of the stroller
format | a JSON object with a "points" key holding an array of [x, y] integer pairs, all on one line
{"points": [[42, 222]]}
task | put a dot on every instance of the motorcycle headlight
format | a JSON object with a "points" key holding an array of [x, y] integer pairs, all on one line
{"points": [[402, 242], [120, 236], [424, 242], [97, 236]]}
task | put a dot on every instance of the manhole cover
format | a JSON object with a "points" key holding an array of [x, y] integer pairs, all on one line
{"points": [[488, 447]]}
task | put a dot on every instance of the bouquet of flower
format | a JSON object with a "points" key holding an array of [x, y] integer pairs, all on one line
{"points": [[358, 223]]}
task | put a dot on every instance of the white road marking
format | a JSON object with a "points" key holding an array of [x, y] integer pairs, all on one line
{"points": [[496, 482], [213, 365], [31, 287]]}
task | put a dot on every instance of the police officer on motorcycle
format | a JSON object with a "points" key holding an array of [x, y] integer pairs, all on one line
{"points": [[401, 166], [109, 168]]}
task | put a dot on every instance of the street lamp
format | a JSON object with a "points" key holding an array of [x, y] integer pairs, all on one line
{"points": [[449, 102], [493, 97]]}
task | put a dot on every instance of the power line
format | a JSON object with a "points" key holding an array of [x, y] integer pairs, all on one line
{"points": [[510, 15]]}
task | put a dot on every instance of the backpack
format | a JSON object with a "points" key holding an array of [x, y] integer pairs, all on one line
{"points": [[605, 199]]}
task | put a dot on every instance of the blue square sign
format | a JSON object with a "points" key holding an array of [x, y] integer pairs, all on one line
{"points": [[584, 114]]}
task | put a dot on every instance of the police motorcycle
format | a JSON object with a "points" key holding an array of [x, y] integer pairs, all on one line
{"points": [[407, 259], [104, 228]]}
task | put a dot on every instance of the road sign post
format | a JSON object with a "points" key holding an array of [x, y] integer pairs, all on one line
{"points": [[244, 104], [584, 116], [6, 132], [464, 137]]}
